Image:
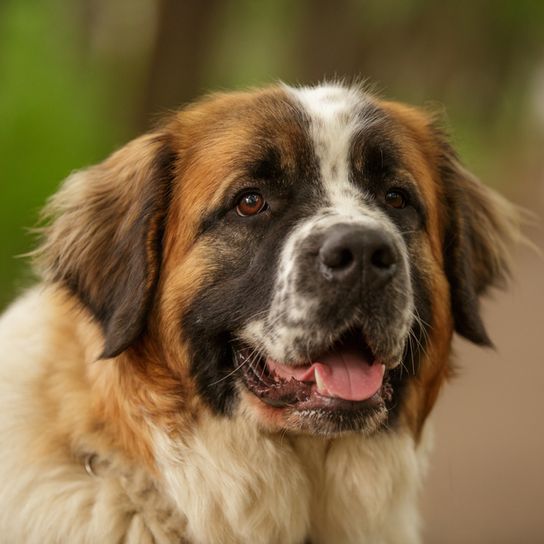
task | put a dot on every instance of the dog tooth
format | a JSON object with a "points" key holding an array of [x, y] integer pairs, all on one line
{"points": [[321, 388]]}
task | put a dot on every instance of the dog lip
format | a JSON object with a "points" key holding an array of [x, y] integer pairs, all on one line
{"points": [[295, 386]]}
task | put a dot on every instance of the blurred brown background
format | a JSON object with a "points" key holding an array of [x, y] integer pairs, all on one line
{"points": [[78, 78]]}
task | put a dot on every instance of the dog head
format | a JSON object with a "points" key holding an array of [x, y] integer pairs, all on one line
{"points": [[301, 256]]}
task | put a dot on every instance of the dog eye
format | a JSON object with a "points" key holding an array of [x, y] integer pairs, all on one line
{"points": [[396, 199], [250, 203]]}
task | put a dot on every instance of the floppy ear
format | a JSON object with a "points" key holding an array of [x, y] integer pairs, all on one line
{"points": [[104, 239], [481, 227]]}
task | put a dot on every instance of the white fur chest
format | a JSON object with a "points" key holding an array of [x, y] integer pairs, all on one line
{"points": [[235, 484]]}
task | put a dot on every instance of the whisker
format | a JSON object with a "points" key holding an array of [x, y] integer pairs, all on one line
{"points": [[230, 373]]}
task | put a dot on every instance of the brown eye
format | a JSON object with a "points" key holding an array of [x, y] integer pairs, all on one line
{"points": [[250, 204], [395, 199]]}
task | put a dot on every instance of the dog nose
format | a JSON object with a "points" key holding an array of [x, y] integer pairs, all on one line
{"points": [[350, 252]]}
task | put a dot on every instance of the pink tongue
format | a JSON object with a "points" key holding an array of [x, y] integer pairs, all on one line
{"points": [[345, 374]]}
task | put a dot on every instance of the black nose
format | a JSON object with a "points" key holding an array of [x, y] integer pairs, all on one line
{"points": [[351, 252]]}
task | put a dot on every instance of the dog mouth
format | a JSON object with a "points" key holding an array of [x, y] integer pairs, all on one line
{"points": [[345, 377]]}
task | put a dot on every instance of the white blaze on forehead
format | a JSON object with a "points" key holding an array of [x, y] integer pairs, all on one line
{"points": [[336, 115]]}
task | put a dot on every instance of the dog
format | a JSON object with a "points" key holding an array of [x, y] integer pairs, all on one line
{"points": [[242, 323]]}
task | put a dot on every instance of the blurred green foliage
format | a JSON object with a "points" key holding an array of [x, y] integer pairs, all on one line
{"points": [[53, 118], [80, 77]]}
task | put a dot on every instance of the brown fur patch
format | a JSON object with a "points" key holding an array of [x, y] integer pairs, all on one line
{"points": [[104, 237], [470, 230]]}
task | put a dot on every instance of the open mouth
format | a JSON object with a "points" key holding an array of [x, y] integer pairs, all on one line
{"points": [[346, 377]]}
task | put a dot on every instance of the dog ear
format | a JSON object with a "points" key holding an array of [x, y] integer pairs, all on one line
{"points": [[481, 227], [105, 233]]}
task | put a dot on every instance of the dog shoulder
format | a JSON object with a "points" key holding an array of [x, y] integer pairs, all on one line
{"points": [[45, 423]]}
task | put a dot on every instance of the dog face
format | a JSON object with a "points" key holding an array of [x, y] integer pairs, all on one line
{"points": [[301, 256]]}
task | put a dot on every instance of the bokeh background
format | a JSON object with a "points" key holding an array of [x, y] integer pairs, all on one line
{"points": [[78, 78]]}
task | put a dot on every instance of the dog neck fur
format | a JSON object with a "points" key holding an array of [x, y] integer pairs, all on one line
{"points": [[262, 488]]}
